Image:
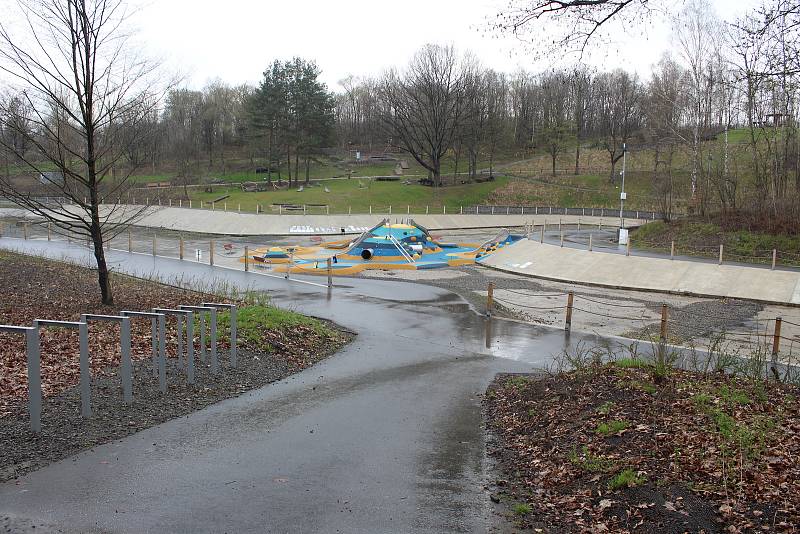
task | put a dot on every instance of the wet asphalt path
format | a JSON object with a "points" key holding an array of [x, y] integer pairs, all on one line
{"points": [[385, 436]]}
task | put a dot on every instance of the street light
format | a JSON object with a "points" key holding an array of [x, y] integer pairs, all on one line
{"points": [[622, 234]]}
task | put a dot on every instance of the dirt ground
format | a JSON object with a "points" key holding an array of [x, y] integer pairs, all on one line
{"points": [[618, 447]]}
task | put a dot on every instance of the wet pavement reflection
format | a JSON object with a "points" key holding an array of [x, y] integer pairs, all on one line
{"points": [[384, 436]]}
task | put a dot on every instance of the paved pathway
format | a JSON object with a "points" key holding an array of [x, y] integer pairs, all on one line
{"points": [[235, 224], [551, 262], [384, 436]]}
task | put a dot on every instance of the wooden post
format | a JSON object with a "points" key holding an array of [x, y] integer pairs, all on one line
{"points": [[490, 298], [672, 250], [628, 247], [213, 206], [461, 210], [328, 210], [663, 334], [568, 319], [25, 230], [426, 209], [562, 239], [211, 252], [180, 247], [130, 242], [776, 346], [280, 209], [720, 253], [154, 244], [774, 258], [330, 272], [180, 202], [49, 233], [349, 210], [225, 206], [239, 207], [390, 209], [408, 210], [541, 238], [170, 203], [444, 210], [370, 209], [190, 203], [590, 242], [579, 224], [246, 259]]}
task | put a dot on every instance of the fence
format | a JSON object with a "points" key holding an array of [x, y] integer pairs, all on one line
{"points": [[767, 335], [159, 337], [386, 209]]}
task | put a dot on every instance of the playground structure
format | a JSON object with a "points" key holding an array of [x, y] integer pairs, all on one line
{"points": [[393, 246]]}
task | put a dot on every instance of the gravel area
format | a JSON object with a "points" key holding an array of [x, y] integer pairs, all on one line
{"points": [[65, 433], [634, 314]]}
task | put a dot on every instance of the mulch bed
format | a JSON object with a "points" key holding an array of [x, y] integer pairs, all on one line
{"points": [[608, 449], [40, 289]]}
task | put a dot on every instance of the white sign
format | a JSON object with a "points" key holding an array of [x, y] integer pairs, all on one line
{"points": [[623, 236], [623, 196]]}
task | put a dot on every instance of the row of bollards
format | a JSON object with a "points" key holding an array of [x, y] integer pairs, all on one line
{"points": [[157, 319]]}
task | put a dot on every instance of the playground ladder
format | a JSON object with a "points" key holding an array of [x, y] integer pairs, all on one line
{"points": [[401, 248]]}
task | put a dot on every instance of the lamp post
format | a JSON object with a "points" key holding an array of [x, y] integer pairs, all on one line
{"points": [[622, 190]]}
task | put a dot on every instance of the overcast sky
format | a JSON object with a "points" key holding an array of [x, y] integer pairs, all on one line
{"points": [[236, 39]]}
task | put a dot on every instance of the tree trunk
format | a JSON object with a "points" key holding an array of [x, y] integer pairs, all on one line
{"points": [[297, 166], [102, 269], [308, 165]]}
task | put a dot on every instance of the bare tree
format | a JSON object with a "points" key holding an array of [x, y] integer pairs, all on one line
{"points": [[74, 66], [425, 105], [559, 27]]}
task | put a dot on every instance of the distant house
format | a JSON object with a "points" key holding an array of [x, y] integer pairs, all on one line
{"points": [[51, 178]]}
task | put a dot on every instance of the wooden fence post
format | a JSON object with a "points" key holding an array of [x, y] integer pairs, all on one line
{"points": [[568, 319], [180, 247], [541, 238], [130, 242], [776, 346], [628, 247], [590, 242], [154, 244], [774, 258], [246, 259], [720, 253], [672, 250], [211, 252], [490, 299], [49, 232], [330, 272]]}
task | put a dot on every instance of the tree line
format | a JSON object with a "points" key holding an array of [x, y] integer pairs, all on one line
{"points": [[81, 102]]}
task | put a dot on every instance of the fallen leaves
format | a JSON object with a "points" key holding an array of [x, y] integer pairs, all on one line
{"points": [[714, 453]]}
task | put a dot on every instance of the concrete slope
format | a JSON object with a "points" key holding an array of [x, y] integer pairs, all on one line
{"points": [[651, 274], [232, 223]]}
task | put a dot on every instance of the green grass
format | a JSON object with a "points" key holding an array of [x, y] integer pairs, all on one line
{"points": [[630, 363], [359, 194], [522, 509], [605, 408], [590, 462], [253, 321], [700, 238], [614, 427], [627, 478]]}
